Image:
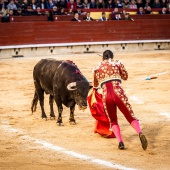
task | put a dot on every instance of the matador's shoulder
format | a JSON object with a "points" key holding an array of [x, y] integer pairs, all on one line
{"points": [[97, 67]]}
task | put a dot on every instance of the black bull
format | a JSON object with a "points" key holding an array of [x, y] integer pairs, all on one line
{"points": [[65, 84]]}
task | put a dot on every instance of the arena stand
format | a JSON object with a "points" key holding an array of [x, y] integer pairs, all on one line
{"points": [[31, 33]]}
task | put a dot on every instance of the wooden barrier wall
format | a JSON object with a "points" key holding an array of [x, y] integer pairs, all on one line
{"points": [[44, 32]]}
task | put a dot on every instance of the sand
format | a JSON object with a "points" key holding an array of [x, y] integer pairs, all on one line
{"points": [[23, 133]]}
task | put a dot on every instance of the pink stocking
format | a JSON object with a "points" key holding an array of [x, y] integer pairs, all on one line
{"points": [[136, 126], [116, 130]]}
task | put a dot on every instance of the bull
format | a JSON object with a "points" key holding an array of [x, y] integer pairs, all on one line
{"points": [[64, 83]]}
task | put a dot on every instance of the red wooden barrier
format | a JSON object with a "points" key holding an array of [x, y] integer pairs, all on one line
{"points": [[150, 16], [19, 33]]}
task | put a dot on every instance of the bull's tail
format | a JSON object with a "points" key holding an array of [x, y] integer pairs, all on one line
{"points": [[34, 102]]}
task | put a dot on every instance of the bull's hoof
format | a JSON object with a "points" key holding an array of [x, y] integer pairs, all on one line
{"points": [[73, 123], [60, 124], [52, 117], [45, 118]]}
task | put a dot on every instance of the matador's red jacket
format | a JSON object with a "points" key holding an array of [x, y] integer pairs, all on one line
{"points": [[109, 70]]}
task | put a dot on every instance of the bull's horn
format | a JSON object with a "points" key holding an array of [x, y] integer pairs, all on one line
{"points": [[71, 86]]}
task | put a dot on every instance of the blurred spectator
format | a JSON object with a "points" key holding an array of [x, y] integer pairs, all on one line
{"points": [[49, 18], [168, 12], [70, 12], [55, 10], [147, 3], [72, 5], [50, 4], [38, 11], [163, 4], [148, 10], [33, 4], [42, 4], [1, 14], [10, 13], [18, 4], [5, 17], [133, 5], [86, 4], [93, 4], [24, 5], [118, 4], [163, 11], [55, 2], [141, 11], [117, 17], [125, 4], [62, 4], [156, 4], [100, 4], [18, 12], [3, 5], [76, 17], [139, 4], [79, 11], [29, 11], [79, 3], [88, 17], [12, 5], [62, 12], [116, 10], [103, 17], [168, 4], [127, 17], [109, 4]]}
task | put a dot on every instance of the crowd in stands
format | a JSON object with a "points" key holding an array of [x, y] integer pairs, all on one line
{"points": [[70, 7]]}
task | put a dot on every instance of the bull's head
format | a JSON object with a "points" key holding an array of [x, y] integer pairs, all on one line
{"points": [[80, 90]]}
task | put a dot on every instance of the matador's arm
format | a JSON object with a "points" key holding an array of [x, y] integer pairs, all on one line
{"points": [[123, 72]]}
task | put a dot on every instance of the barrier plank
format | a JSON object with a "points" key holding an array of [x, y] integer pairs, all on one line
{"points": [[28, 18]]}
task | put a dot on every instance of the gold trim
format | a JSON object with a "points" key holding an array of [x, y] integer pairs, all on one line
{"points": [[93, 99]]}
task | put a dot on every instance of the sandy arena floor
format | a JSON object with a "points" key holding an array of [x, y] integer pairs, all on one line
{"points": [[29, 142]]}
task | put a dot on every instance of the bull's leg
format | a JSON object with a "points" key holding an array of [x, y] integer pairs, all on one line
{"points": [[40, 93], [59, 120], [51, 100], [60, 110], [71, 119]]}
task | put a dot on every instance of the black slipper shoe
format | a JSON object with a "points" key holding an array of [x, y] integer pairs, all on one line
{"points": [[143, 141], [121, 145]]}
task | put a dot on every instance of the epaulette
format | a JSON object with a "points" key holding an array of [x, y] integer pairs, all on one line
{"points": [[96, 68], [118, 62]]}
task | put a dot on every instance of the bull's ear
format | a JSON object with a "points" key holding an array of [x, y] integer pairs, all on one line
{"points": [[90, 85], [72, 86]]}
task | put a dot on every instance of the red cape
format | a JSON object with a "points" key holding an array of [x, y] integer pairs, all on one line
{"points": [[102, 126]]}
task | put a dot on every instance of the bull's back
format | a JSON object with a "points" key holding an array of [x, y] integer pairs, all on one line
{"points": [[44, 72]]}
